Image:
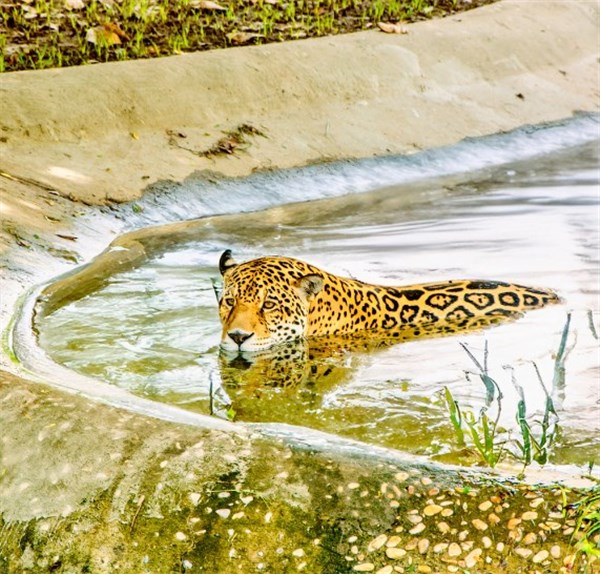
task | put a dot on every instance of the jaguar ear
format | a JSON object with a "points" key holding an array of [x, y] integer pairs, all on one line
{"points": [[310, 285], [226, 262]]}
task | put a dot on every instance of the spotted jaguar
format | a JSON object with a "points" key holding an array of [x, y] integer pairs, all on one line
{"points": [[274, 300]]}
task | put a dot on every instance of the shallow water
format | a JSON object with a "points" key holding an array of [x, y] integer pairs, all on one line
{"points": [[155, 330]]}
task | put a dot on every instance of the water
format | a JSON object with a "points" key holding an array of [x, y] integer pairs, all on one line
{"points": [[154, 330]]}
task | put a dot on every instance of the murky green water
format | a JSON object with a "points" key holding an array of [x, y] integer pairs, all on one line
{"points": [[155, 330]]}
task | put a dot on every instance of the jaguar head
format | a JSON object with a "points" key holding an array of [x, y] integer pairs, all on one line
{"points": [[265, 302]]}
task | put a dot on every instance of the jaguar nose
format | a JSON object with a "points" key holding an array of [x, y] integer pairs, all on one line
{"points": [[238, 337]]}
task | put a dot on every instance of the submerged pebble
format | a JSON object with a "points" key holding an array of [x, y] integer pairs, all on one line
{"points": [[377, 543], [432, 510], [540, 556], [395, 553], [454, 550]]}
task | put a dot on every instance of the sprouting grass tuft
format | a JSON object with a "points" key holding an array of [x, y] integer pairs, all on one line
{"points": [[587, 528], [482, 433], [55, 33]]}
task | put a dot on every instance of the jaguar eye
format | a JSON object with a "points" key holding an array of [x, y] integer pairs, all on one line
{"points": [[229, 301], [267, 305]]}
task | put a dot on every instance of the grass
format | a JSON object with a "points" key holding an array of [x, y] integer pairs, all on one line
{"points": [[492, 443], [38, 34], [587, 530]]}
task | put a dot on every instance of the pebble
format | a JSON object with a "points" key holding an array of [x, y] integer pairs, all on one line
{"points": [[555, 551], [447, 512], [353, 486], [493, 518], [426, 481], [530, 538], [472, 558], [417, 529], [401, 476], [443, 527], [536, 502], [500, 547], [180, 536], [377, 543], [487, 543], [246, 500], [513, 523], [432, 510], [529, 515], [540, 556], [479, 524], [395, 553], [524, 552], [224, 512], [364, 567], [515, 535], [454, 550], [424, 568], [423, 546], [485, 505], [393, 541], [194, 498], [385, 570], [298, 553], [440, 547]]}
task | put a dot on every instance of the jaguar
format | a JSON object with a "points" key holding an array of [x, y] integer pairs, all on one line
{"points": [[273, 300]]}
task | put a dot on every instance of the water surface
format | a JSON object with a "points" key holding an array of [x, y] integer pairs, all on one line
{"points": [[155, 330]]}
